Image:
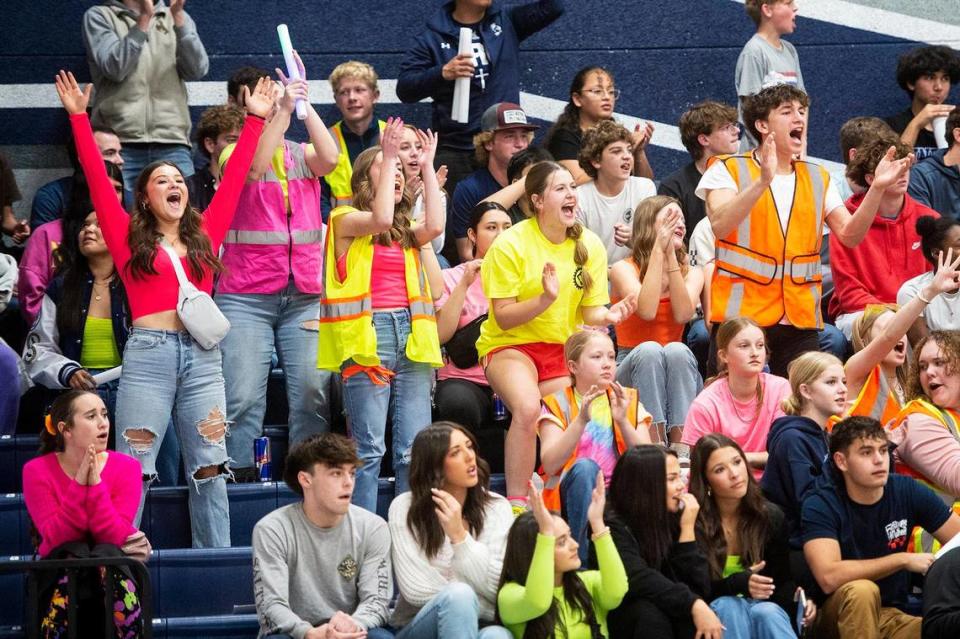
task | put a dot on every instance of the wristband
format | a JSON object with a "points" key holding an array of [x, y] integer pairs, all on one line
{"points": [[673, 270], [597, 535], [922, 298]]}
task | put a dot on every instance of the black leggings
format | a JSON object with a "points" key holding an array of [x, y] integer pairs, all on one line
{"points": [[464, 402], [642, 619]]}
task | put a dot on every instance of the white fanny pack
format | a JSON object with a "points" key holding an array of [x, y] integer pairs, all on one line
{"points": [[197, 310]]}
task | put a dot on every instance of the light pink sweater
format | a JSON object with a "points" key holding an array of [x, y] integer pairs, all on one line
{"points": [[931, 450]]}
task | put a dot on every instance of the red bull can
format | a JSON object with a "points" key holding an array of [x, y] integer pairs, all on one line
{"points": [[261, 456], [499, 408]]}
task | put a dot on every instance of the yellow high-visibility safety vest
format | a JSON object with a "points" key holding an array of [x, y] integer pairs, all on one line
{"points": [[339, 178], [346, 309]]}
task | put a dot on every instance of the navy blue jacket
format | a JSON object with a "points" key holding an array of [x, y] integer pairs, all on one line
{"points": [[796, 450], [936, 185], [501, 32]]}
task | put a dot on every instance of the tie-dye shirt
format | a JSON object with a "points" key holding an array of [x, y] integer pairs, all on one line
{"points": [[597, 441]]}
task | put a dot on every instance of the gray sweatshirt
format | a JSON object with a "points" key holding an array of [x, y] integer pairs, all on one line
{"points": [[303, 574]]}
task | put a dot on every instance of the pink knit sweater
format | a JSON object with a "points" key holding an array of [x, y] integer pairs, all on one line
{"points": [[63, 510]]}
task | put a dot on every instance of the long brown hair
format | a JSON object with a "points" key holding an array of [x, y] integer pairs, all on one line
{"points": [[60, 411], [537, 181], [143, 235], [364, 192], [753, 527], [725, 334], [645, 233], [426, 473]]}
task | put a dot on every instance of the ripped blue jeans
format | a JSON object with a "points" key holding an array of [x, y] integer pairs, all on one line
{"points": [[166, 373]]}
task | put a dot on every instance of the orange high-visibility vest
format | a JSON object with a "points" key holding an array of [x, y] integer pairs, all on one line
{"points": [[920, 542], [875, 400], [563, 405], [762, 273]]}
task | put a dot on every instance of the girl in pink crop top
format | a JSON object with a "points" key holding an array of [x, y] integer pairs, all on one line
{"points": [[80, 496], [164, 371], [381, 216]]}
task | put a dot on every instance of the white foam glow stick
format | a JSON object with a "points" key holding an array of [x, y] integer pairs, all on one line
{"points": [[108, 375], [293, 71], [461, 86]]}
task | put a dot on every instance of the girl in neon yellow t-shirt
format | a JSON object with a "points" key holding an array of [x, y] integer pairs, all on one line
{"points": [[544, 277]]}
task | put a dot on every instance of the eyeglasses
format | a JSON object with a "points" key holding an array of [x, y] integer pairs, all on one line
{"points": [[602, 93]]}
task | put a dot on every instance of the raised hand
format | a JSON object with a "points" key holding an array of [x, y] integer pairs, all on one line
{"points": [[549, 281], [442, 175], [666, 228], [96, 463], [176, 11], [641, 135], [767, 157], [428, 147], [618, 403], [931, 111], [390, 138], [889, 171], [622, 309], [449, 514], [73, 98], [947, 277], [539, 509], [260, 102], [294, 90], [758, 586], [586, 401], [283, 76], [598, 499], [470, 271]]}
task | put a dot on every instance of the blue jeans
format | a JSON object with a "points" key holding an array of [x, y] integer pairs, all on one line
{"points": [[451, 614], [747, 618], [257, 324], [372, 633], [575, 492], [698, 341], [833, 341], [666, 379], [406, 397], [137, 156], [166, 373]]}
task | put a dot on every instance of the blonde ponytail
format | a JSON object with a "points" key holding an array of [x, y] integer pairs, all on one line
{"points": [[580, 255]]}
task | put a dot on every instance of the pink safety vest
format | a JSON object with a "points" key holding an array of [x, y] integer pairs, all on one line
{"points": [[264, 245]]}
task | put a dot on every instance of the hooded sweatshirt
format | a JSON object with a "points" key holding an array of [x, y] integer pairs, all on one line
{"points": [[888, 256], [796, 449], [937, 185]]}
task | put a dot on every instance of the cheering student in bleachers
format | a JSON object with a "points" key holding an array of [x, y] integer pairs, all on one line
{"points": [[543, 593], [585, 427], [857, 523], [937, 236], [141, 53], [84, 319], [269, 289], [432, 65], [218, 128], [652, 520], [797, 442], [592, 100], [544, 277], [41, 257], [742, 401], [463, 394], [744, 538], [926, 74], [410, 151], [767, 211], [651, 355], [877, 372], [926, 430], [513, 197], [449, 533], [377, 325], [82, 501], [165, 370], [608, 200], [321, 566], [505, 133], [890, 252]]}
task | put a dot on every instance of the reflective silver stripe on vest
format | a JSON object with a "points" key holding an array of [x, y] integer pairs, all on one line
{"points": [[743, 182], [314, 236], [876, 410], [806, 271], [333, 310], [818, 187], [735, 301], [421, 308], [749, 264]]}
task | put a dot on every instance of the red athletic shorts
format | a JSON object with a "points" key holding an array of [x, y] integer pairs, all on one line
{"points": [[548, 358]]}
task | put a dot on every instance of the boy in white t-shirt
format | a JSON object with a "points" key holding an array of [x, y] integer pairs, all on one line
{"points": [[767, 211], [608, 201]]}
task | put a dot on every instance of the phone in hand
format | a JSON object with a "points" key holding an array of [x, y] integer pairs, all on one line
{"points": [[801, 598]]}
